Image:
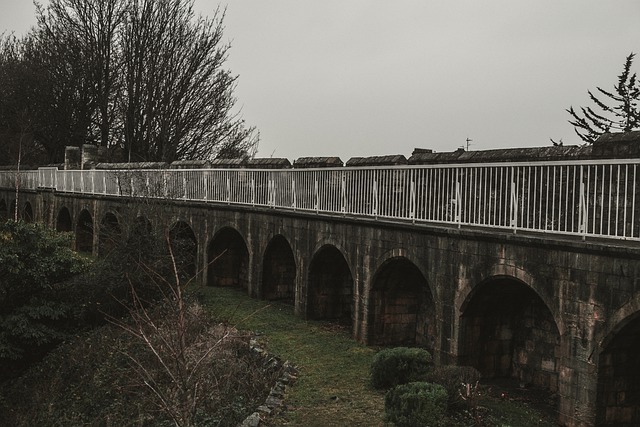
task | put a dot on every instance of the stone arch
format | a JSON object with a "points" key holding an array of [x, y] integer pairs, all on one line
{"points": [[330, 286], [508, 331], [184, 246], [110, 234], [141, 230], [84, 232], [279, 271], [140, 239], [63, 220], [464, 295], [228, 259], [27, 212], [4, 210], [401, 306], [618, 386]]}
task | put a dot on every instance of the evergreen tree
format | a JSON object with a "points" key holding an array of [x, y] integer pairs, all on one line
{"points": [[619, 111]]}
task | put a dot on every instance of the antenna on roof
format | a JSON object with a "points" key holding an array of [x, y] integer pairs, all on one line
{"points": [[468, 142]]}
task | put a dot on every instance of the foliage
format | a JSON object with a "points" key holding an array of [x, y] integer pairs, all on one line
{"points": [[143, 79], [34, 261], [399, 365], [416, 404], [175, 349], [90, 380], [455, 380], [619, 111]]}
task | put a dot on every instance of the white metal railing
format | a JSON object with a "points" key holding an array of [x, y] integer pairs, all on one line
{"points": [[25, 179], [588, 198]]}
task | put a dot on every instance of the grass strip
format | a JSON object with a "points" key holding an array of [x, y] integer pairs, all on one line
{"points": [[333, 384], [333, 387]]}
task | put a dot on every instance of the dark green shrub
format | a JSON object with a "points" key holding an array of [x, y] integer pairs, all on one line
{"points": [[399, 365], [454, 379], [34, 315], [416, 404]]}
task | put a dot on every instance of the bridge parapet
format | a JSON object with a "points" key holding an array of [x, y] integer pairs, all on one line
{"points": [[587, 198]]}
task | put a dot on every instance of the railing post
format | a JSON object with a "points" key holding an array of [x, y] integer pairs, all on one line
{"points": [[582, 209], [228, 189], [253, 190], [412, 204], [93, 182], [165, 189], [374, 203], [272, 193], [184, 185], [205, 179], [343, 193], [513, 220], [293, 193], [458, 204], [104, 182], [132, 183], [317, 196]]}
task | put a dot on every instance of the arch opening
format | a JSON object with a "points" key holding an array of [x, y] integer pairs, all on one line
{"points": [[110, 234], [507, 331], [279, 271], [4, 211], [403, 310], [184, 246], [84, 233], [618, 390], [330, 291], [228, 260], [27, 212], [63, 220]]}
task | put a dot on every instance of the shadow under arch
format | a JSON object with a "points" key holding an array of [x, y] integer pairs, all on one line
{"points": [[279, 271], [84, 232], [401, 306], [27, 212], [618, 385], [184, 246], [228, 259], [330, 286], [142, 245], [110, 234], [4, 210], [508, 331], [63, 220]]}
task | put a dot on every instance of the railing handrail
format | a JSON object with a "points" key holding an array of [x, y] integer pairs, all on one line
{"points": [[382, 167]]}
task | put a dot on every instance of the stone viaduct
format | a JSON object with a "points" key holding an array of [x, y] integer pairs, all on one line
{"points": [[550, 310]]}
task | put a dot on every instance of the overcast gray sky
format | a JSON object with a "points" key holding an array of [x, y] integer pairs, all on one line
{"points": [[362, 78]]}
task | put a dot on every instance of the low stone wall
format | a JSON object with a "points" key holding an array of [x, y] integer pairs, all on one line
{"points": [[275, 398]]}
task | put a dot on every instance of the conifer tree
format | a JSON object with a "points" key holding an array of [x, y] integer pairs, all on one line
{"points": [[619, 111]]}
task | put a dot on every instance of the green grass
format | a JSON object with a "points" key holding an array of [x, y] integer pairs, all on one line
{"points": [[333, 387], [333, 370]]}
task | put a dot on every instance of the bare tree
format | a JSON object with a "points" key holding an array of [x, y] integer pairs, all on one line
{"points": [[179, 98], [144, 76], [91, 26]]}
